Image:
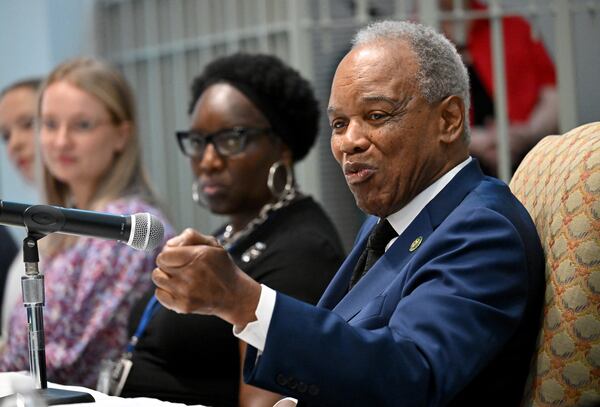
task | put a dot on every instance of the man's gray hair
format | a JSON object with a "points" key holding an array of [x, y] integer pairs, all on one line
{"points": [[441, 70]]}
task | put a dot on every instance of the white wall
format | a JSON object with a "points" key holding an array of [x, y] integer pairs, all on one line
{"points": [[35, 35]]}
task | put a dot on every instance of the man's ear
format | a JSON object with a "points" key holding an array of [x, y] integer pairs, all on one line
{"points": [[452, 119]]}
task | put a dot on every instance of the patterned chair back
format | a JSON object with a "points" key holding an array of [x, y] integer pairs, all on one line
{"points": [[559, 184]]}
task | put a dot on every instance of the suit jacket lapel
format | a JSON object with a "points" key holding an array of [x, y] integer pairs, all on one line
{"points": [[338, 286], [392, 263], [385, 269]]}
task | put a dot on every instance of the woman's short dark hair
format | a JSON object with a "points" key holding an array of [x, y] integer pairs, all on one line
{"points": [[278, 91]]}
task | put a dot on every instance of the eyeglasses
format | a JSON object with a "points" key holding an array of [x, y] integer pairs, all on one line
{"points": [[227, 142]]}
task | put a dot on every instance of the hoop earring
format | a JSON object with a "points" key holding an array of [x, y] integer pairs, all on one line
{"points": [[275, 175], [196, 195]]}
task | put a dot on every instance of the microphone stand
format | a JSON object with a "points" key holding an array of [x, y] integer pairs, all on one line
{"points": [[32, 284]]}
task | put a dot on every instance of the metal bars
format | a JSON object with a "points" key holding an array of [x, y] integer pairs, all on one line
{"points": [[199, 30]]}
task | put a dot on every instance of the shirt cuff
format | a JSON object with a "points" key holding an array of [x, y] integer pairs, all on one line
{"points": [[282, 402], [255, 332]]}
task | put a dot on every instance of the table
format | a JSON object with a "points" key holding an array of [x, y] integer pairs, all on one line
{"points": [[11, 382]]}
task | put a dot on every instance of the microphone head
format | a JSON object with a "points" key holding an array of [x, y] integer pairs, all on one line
{"points": [[147, 232]]}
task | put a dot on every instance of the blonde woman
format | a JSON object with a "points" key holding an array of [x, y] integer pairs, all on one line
{"points": [[92, 161]]}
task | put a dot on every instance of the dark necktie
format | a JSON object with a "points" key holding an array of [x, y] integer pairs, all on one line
{"points": [[380, 236]]}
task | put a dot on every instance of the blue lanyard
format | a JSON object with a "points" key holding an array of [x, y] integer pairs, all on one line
{"points": [[151, 308], [149, 312]]}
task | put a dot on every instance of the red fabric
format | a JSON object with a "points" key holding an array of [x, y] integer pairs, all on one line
{"points": [[528, 65]]}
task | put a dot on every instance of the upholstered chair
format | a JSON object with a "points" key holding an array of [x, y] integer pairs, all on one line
{"points": [[559, 184]]}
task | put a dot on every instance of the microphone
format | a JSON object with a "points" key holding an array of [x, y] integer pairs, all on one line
{"points": [[142, 231]]}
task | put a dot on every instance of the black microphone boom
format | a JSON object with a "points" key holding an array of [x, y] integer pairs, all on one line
{"points": [[141, 231]]}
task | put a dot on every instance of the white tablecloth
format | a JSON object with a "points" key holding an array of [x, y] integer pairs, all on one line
{"points": [[11, 382]]}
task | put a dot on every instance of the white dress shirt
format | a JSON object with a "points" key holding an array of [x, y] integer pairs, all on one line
{"points": [[255, 333]]}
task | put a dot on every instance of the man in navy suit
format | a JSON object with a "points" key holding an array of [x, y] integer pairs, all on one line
{"points": [[448, 315]]}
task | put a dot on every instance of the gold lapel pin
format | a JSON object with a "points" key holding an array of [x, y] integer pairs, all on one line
{"points": [[415, 244]]}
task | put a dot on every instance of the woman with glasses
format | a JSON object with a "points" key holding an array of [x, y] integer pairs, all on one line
{"points": [[252, 119], [91, 161]]}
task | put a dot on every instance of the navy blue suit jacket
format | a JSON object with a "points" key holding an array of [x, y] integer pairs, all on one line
{"points": [[452, 322]]}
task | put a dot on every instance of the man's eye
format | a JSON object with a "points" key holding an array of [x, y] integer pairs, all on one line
{"points": [[337, 124], [376, 116], [5, 135]]}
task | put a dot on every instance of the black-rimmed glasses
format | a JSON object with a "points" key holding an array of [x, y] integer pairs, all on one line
{"points": [[227, 142]]}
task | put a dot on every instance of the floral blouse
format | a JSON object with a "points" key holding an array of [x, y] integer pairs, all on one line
{"points": [[90, 289]]}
